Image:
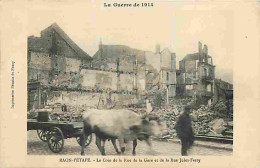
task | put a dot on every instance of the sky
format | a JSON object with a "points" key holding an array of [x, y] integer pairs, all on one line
{"points": [[177, 26]]}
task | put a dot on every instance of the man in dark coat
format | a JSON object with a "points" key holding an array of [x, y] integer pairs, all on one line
{"points": [[184, 130]]}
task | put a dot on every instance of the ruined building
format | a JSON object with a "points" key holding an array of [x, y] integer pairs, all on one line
{"points": [[149, 68], [124, 61], [53, 60], [196, 75], [168, 71], [60, 71], [54, 57]]}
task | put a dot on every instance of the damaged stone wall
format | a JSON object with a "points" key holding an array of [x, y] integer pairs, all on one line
{"points": [[127, 63], [58, 64], [127, 81], [169, 78], [40, 60], [153, 59], [190, 66], [66, 79], [39, 67], [97, 79], [53, 61], [72, 65], [140, 85], [168, 71], [85, 100], [39, 75], [166, 59], [195, 79]]}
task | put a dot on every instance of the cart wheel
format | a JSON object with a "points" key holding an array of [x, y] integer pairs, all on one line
{"points": [[87, 142], [42, 135], [55, 140]]}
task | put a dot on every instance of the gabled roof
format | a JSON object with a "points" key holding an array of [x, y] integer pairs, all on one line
{"points": [[42, 45], [71, 43], [113, 52], [166, 50]]}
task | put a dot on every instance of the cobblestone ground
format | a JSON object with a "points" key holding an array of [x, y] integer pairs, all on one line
{"points": [[36, 147]]}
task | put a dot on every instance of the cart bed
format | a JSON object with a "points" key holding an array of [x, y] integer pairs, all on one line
{"points": [[33, 124]]}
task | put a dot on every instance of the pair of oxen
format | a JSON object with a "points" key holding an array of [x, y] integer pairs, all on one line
{"points": [[124, 125]]}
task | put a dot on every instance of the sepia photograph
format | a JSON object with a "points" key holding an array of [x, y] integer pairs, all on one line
{"points": [[168, 95], [129, 84]]}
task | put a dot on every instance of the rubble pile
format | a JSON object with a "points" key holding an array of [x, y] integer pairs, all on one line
{"points": [[201, 120], [156, 96], [170, 115], [60, 112], [182, 101], [204, 120], [224, 108], [66, 116], [140, 110]]}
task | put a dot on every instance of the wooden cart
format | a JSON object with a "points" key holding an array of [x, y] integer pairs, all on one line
{"points": [[54, 132]]}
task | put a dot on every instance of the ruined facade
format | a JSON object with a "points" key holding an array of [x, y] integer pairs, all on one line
{"points": [[54, 58], [168, 72], [222, 90], [55, 62], [149, 68], [196, 75], [124, 62], [57, 65]]}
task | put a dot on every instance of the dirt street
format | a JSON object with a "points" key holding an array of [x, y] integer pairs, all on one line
{"points": [[159, 148]]}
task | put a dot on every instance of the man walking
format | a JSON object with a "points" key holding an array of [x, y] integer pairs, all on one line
{"points": [[184, 130]]}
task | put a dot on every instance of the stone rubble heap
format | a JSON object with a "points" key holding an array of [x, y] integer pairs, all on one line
{"points": [[204, 120], [201, 120], [72, 113]]}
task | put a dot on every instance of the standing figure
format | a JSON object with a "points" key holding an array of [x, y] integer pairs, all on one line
{"points": [[184, 130], [149, 107]]}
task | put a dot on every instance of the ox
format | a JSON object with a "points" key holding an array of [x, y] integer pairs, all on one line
{"points": [[123, 125]]}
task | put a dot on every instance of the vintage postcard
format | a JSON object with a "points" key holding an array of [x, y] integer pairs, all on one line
{"points": [[130, 84]]}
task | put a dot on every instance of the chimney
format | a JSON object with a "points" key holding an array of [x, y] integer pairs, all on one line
{"points": [[200, 51], [205, 52], [157, 48], [173, 61]]}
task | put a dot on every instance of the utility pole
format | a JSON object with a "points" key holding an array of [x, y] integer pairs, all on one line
{"points": [[145, 72], [135, 77], [118, 73], [167, 94]]}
